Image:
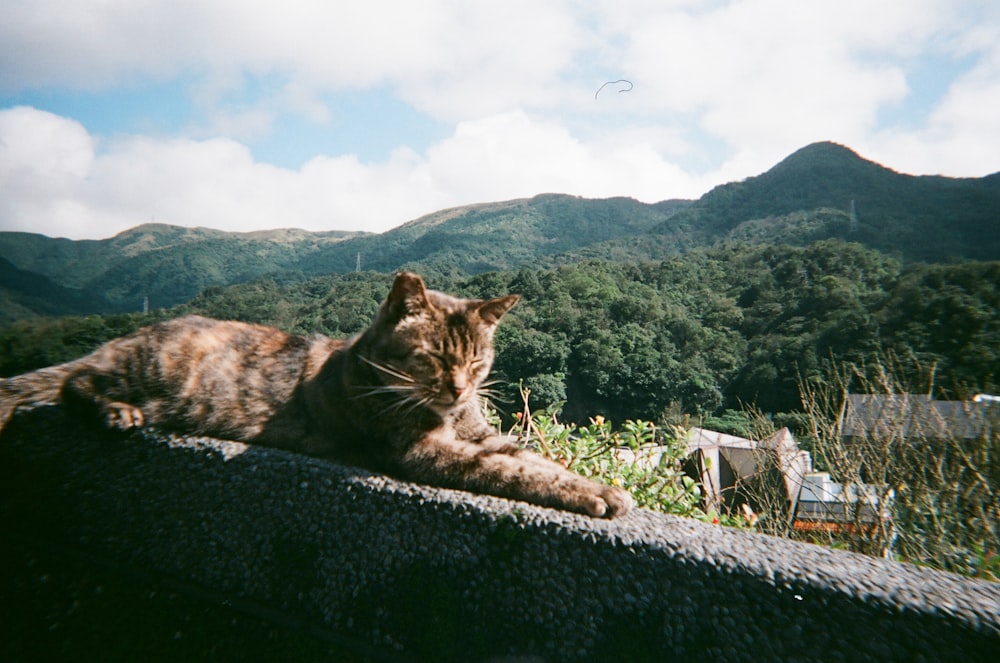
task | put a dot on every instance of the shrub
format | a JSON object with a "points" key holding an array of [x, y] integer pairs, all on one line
{"points": [[640, 457]]}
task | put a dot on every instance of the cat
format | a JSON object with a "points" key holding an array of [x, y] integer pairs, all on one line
{"points": [[402, 398]]}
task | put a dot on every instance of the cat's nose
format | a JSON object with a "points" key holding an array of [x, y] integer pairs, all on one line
{"points": [[457, 385]]}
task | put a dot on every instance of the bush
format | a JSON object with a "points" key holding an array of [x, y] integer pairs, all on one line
{"points": [[942, 488], [642, 458]]}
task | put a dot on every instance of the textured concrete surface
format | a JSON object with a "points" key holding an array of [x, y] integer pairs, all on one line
{"points": [[383, 569]]}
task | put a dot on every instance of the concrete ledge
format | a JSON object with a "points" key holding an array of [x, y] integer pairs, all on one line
{"points": [[392, 570]]}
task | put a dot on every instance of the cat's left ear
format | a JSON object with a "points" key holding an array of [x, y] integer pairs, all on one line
{"points": [[493, 309], [407, 297]]}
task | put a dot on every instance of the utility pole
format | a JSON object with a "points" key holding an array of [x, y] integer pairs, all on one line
{"points": [[357, 266]]}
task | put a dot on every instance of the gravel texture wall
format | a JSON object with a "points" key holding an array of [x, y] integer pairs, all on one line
{"points": [[363, 567]]}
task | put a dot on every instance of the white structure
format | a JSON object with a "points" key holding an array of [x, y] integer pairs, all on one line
{"points": [[825, 501], [724, 461]]}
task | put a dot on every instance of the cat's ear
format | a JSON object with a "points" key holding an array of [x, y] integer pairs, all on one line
{"points": [[493, 309], [407, 297]]}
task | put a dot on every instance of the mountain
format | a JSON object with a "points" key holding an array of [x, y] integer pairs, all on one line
{"points": [[170, 264], [497, 236], [26, 294], [826, 190], [821, 191], [167, 264]]}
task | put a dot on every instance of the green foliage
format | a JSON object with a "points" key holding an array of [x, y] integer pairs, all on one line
{"points": [[942, 485], [30, 344], [701, 333], [947, 315], [641, 457], [821, 192]]}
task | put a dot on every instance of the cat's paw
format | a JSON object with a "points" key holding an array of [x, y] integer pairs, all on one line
{"points": [[602, 501], [618, 501], [123, 416]]}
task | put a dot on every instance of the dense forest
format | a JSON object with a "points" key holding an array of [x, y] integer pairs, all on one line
{"points": [[823, 191], [629, 309], [702, 333]]}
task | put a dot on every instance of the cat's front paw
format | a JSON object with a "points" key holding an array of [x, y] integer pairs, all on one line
{"points": [[123, 416], [603, 501], [618, 501]]}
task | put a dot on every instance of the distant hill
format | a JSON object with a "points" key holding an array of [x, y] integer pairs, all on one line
{"points": [[26, 294], [497, 236], [167, 264], [822, 191], [171, 264], [826, 190]]}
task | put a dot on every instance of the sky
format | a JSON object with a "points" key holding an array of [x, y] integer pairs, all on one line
{"points": [[246, 115]]}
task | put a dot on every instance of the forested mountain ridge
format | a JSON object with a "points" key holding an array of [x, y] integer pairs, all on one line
{"points": [[497, 236], [168, 264], [700, 332], [826, 190], [26, 294], [820, 192]]}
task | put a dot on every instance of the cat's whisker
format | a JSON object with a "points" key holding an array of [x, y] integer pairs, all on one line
{"points": [[388, 389], [404, 397], [405, 405], [387, 370], [493, 397], [413, 405]]}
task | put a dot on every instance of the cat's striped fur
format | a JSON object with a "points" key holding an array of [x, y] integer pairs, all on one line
{"points": [[402, 398]]}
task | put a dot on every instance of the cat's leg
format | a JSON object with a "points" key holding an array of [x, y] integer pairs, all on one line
{"points": [[85, 392], [497, 467]]}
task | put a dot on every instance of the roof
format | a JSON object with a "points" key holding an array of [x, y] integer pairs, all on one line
{"points": [[699, 438], [917, 416]]}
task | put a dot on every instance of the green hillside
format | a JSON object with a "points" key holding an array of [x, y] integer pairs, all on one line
{"points": [[496, 236], [167, 264], [26, 294], [826, 190], [700, 332], [823, 191]]}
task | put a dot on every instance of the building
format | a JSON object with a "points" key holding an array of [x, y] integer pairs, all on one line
{"points": [[827, 505], [775, 476], [918, 417], [725, 463]]}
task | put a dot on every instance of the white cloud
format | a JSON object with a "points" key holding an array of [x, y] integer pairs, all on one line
{"points": [[39, 144], [44, 163], [517, 155], [81, 191], [961, 136], [768, 76], [449, 57], [723, 90]]}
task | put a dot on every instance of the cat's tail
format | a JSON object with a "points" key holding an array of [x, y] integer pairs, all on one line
{"points": [[41, 387]]}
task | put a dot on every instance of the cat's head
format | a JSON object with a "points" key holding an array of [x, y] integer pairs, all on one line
{"points": [[433, 349]]}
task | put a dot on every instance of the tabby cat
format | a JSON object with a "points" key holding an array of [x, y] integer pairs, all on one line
{"points": [[401, 398]]}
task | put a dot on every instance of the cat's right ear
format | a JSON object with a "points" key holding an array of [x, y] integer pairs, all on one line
{"points": [[407, 297]]}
